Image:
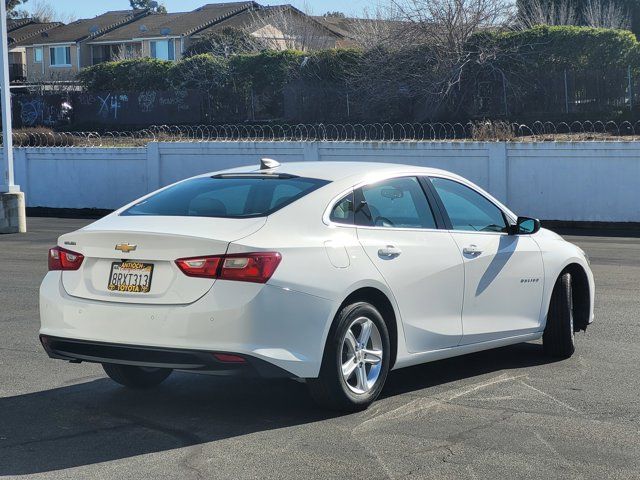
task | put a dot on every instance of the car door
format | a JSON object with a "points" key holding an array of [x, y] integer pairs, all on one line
{"points": [[422, 265], [504, 275]]}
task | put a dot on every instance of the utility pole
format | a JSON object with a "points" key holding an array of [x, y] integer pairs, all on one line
{"points": [[12, 206]]}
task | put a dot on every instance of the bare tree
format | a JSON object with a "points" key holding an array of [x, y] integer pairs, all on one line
{"points": [[449, 24], [124, 53], [605, 14], [430, 53], [225, 43], [380, 26], [13, 11], [545, 12], [286, 28], [44, 12]]}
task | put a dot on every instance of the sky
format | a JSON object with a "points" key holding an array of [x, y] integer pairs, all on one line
{"points": [[91, 8]]}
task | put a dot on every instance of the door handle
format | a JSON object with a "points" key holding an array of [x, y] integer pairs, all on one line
{"points": [[471, 250], [389, 251]]}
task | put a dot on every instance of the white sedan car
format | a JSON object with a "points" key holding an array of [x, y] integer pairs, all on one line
{"points": [[332, 272]]}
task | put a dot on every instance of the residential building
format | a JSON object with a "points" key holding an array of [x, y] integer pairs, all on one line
{"points": [[160, 35], [167, 36], [21, 30], [59, 53], [279, 27], [359, 32]]}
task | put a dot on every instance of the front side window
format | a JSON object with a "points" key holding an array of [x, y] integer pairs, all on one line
{"points": [[37, 54], [226, 197], [60, 56], [395, 203], [162, 49], [467, 209]]}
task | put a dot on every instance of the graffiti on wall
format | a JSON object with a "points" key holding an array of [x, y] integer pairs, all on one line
{"points": [[110, 108], [139, 108], [49, 111]]}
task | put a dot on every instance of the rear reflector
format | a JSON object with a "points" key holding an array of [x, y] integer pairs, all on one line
{"points": [[229, 358], [244, 267], [63, 259]]}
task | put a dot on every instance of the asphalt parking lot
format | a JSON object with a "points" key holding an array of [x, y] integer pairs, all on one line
{"points": [[508, 413]]}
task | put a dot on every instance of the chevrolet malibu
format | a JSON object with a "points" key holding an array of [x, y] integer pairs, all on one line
{"points": [[335, 273]]}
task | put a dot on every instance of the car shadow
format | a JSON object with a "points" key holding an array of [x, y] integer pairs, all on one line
{"points": [[506, 248], [98, 421]]}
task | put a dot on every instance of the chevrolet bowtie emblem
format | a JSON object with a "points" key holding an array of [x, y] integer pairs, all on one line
{"points": [[126, 247]]}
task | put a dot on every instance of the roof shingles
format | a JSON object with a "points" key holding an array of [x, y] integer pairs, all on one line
{"points": [[175, 24], [29, 30], [85, 28]]}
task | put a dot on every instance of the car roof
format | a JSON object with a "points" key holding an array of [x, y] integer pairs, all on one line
{"points": [[335, 170], [344, 174]]}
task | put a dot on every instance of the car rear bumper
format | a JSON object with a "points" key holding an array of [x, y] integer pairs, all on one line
{"points": [[279, 326], [156, 357]]}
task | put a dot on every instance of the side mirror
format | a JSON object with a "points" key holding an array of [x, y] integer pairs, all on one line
{"points": [[525, 226]]}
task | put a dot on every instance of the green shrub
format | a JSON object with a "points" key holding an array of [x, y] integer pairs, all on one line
{"points": [[563, 47], [267, 71], [335, 66], [139, 74], [200, 72]]}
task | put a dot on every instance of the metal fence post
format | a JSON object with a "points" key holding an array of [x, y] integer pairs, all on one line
{"points": [[566, 92], [348, 107], [504, 95], [630, 81], [253, 106]]}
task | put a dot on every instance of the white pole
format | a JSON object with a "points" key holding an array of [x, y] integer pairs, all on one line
{"points": [[13, 217], [7, 180]]}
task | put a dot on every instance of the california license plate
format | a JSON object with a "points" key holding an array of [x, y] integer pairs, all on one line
{"points": [[130, 277]]}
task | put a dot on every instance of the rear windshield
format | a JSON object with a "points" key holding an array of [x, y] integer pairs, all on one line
{"points": [[226, 197]]}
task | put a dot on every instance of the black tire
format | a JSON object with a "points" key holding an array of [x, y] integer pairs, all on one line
{"points": [[330, 389], [558, 339], [136, 377]]}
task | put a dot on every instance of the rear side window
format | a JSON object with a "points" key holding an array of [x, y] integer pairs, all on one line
{"points": [[342, 211], [395, 203], [227, 196]]}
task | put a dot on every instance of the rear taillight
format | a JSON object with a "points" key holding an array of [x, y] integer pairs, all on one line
{"points": [[250, 267], [204, 267], [63, 259], [244, 267]]}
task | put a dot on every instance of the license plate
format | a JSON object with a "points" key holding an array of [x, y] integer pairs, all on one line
{"points": [[130, 277]]}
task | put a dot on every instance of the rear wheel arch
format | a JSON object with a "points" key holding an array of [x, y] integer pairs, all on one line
{"points": [[580, 295], [381, 302]]}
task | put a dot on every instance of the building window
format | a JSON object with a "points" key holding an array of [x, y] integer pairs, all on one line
{"points": [[163, 50], [37, 54], [60, 56], [133, 50]]}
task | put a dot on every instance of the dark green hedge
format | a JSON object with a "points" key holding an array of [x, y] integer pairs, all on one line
{"points": [[565, 47], [269, 71], [127, 75], [380, 83]]}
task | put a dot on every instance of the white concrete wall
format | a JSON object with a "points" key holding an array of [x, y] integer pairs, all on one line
{"points": [[589, 181]]}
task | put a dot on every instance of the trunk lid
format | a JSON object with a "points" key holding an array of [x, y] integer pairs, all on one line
{"points": [[156, 241]]}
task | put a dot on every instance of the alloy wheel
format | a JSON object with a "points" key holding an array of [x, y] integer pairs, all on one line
{"points": [[362, 353]]}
